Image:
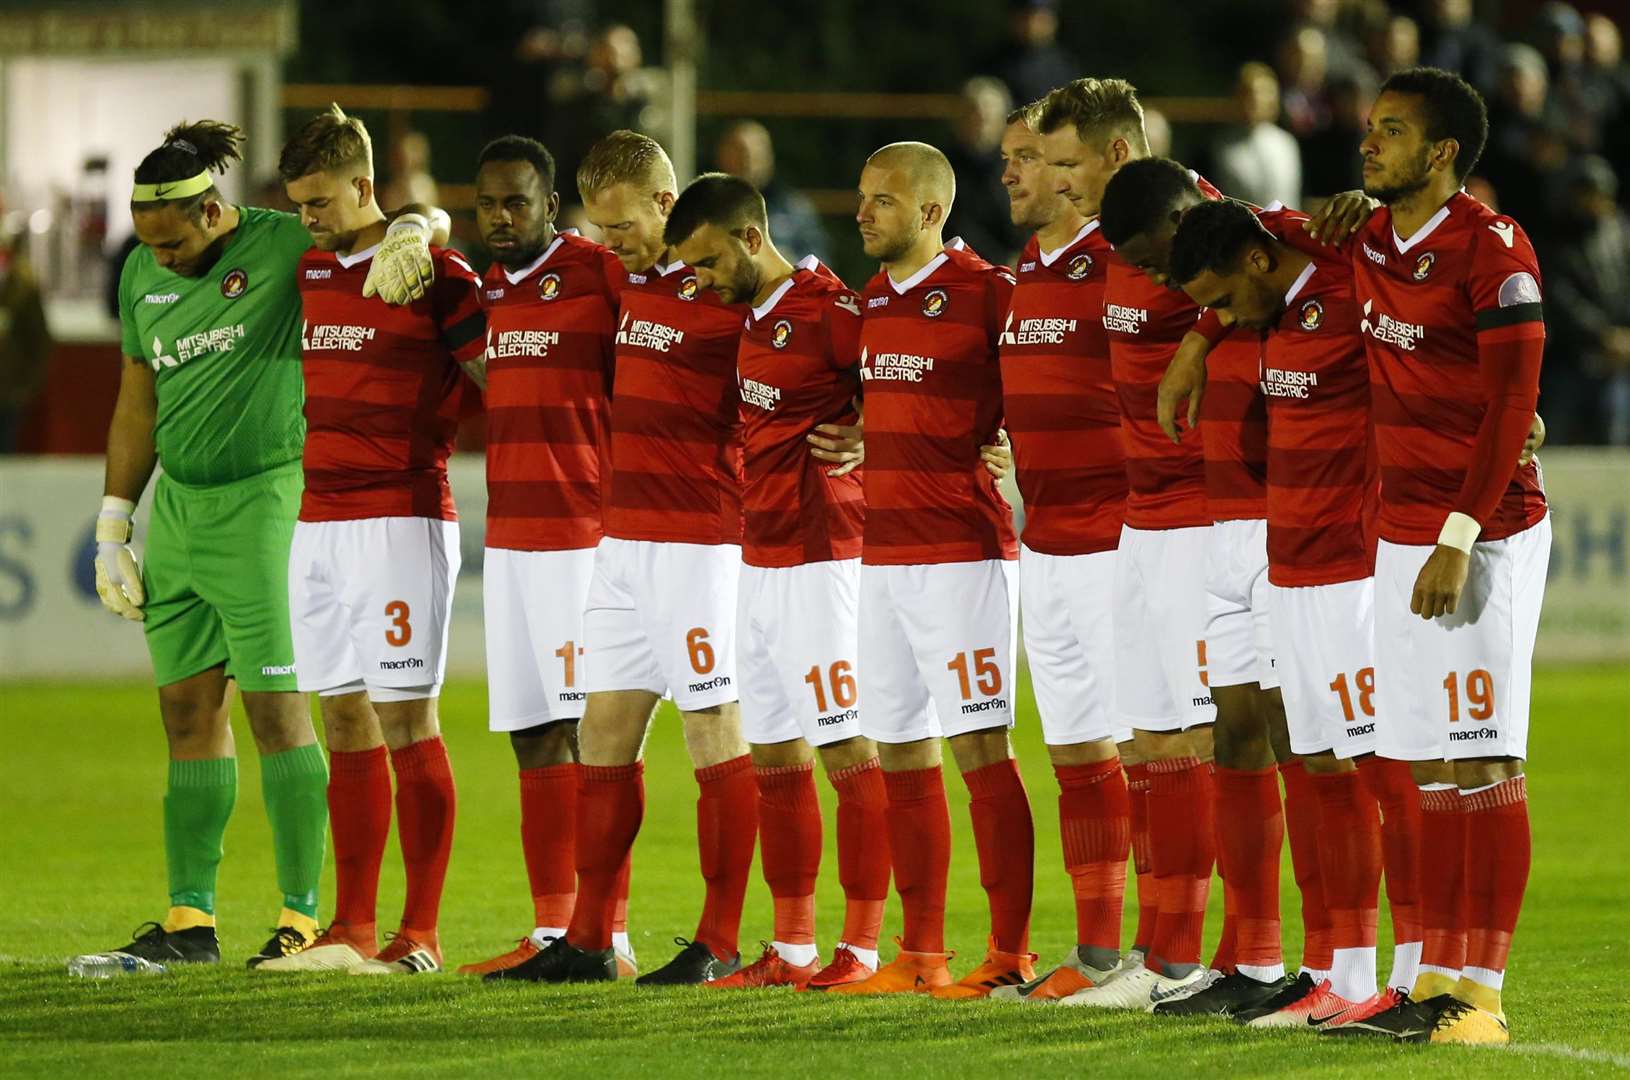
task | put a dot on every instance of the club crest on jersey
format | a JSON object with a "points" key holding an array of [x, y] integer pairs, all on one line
{"points": [[935, 303], [781, 333], [1423, 265], [1080, 267], [235, 284], [688, 288], [1311, 316], [549, 287]]}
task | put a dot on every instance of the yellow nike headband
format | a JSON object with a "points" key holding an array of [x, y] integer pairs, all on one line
{"points": [[172, 189]]}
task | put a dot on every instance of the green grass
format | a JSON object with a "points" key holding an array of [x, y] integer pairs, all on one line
{"points": [[81, 865]]}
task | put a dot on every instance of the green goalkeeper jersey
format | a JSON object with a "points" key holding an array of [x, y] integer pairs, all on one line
{"points": [[225, 350]]}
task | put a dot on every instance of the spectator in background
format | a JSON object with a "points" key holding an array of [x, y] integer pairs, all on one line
{"points": [[1341, 46], [1585, 384], [1158, 130], [1303, 64], [1395, 45], [1330, 159], [410, 179], [979, 213], [605, 94], [1031, 62], [745, 150], [1453, 40], [25, 340], [1609, 76], [1256, 159], [1525, 147], [270, 193], [1559, 33]]}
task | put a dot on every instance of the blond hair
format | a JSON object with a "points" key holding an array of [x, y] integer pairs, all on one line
{"points": [[1096, 108], [328, 142], [626, 157], [1029, 115]]}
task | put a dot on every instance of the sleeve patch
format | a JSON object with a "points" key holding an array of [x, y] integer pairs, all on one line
{"points": [[1519, 288]]}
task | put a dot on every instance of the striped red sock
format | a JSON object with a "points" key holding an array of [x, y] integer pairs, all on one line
{"points": [[919, 822], [610, 809], [1181, 839], [1349, 857], [863, 850], [789, 825], [1391, 784], [1302, 826], [1499, 853], [1137, 801], [359, 812], [549, 841], [1005, 838], [426, 806], [1443, 879], [1250, 834], [1094, 819], [726, 830]]}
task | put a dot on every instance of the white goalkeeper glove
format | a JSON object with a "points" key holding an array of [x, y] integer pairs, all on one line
{"points": [[401, 270], [118, 579]]}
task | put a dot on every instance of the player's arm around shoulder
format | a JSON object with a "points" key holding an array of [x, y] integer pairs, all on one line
{"points": [[403, 269], [459, 314]]}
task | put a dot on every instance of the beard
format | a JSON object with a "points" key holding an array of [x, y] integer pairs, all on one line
{"points": [[888, 249], [526, 249], [1401, 187], [207, 258]]}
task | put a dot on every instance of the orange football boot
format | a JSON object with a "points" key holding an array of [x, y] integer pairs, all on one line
{"points": [[768, 970], [908, 973], [999, 969], [845, 968], [523, 951]]}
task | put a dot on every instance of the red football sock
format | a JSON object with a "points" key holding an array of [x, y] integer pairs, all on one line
{"points": [[359, 812], [610, 808], [1250, 833], [789, 825], [1005, 837], [1390, 783], [619, 897], [426, 805], [919, 823], [863, 850], [1228, 940], [1181, 841], [1137, 800], [1349, 857], [1302, 825], [1498, 846], [1443, 879], [726, 829], [549, 841], [1094, 823]]}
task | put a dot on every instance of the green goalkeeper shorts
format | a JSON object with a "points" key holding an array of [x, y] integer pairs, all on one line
{"points": [[216, 571]]}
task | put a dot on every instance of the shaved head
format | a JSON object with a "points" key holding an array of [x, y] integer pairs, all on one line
{"points": [[930, 173]]}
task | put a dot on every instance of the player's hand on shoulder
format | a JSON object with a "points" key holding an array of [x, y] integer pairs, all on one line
{"points": [[402, 269], [1183, 383], [118, 578], [1439, 584], [841, 444], [1536, 439], [998, 456], [1341, 216]]}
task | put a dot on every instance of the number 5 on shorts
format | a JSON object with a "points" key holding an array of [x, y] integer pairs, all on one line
{"points": [[400, 631]]}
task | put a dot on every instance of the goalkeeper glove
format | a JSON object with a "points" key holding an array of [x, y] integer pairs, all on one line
{"points": [[401, 268], [118, 579]]}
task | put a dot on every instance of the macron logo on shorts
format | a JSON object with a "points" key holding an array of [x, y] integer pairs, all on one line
{"points": [[1476, 733], [401, 665], [277, 669], [983, 706], [709, 684], [837, 718]]}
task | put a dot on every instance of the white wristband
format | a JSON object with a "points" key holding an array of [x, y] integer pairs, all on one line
{"points": [[1460, 531], [417, 220], [113, 506]]}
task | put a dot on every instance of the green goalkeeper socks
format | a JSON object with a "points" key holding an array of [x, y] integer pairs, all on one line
{"points": [[294, 784], [196, 808]]}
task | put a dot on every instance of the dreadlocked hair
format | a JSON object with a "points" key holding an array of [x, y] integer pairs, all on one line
{"points": [[189, 149]]}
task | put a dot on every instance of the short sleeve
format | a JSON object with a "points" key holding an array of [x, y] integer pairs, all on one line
{"points": [[459, 313], [611, 268], [292, 238], [1503, 281], [1002, 284], [842, 318]]}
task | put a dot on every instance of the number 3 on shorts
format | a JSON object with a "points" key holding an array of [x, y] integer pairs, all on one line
{"points": [[400, 631]]}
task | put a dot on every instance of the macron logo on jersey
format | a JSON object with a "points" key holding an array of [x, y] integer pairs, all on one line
{"points": [[161, 298], [645, 334], [1373, 255], [1123, 319], [335, 337], [1036, 331], [1389, 330], [1505, 231], [319, 273]]}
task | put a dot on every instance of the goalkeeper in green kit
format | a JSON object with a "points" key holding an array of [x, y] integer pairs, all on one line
{"points": [[211, 389]]}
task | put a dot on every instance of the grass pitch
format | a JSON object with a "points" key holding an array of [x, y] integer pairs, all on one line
{"points": [[81, 865]]}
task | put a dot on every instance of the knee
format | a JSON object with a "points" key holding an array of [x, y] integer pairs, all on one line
{"points": [[545, 745], [279, 721], [976, 749], [190, 722]]}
